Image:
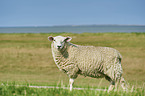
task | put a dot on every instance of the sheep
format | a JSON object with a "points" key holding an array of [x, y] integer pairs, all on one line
{"points": [[96, 62]]}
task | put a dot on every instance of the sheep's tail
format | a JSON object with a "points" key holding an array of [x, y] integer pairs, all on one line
{"points": [[119, 56]]}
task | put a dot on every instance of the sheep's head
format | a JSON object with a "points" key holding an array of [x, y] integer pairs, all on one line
{"points": [[59, 41]]}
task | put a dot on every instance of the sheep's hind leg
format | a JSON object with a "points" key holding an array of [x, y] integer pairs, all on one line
{"points": [[112, 83], [116, 84], [111, 86], [71, 81], [123, 84]]}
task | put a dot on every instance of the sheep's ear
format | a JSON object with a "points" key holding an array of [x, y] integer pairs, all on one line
{"points": [[50, 38], [67, 39]]}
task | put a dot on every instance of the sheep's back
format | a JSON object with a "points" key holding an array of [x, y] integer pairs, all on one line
{"points": [[95, 60]]}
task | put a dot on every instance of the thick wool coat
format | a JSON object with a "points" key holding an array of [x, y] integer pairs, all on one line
{"points": [[89, 61]]}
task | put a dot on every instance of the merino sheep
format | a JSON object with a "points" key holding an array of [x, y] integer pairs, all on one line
{"points": [[96, 62]]}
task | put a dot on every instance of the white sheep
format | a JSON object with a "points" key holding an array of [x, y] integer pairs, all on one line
{"points": [[96, 62]]}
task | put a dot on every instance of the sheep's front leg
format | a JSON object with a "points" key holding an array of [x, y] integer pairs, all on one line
{"points": [[71, 81]]}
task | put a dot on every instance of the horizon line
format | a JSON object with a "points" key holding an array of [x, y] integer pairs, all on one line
{"points": [[73, 25]]}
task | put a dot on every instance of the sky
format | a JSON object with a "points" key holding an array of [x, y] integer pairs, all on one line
{"points": [[71, 12]]}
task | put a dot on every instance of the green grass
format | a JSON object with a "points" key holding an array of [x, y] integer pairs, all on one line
{"points": [[10, 89], [26, 58]]}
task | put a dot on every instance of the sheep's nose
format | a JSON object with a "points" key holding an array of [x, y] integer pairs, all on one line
{"points": [[58, 46]]}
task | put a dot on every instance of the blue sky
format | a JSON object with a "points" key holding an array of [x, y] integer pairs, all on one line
{"points": [[71, 12]]}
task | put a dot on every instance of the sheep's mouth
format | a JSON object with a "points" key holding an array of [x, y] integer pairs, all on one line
{"points": [[58, 48]]}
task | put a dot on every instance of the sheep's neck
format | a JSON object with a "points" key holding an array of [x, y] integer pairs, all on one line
{"points": [[61, 56]]}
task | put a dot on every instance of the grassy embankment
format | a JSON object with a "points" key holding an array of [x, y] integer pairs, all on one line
{"points": [[27, 59]]}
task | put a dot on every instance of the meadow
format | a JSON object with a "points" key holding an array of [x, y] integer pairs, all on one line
{"points": [[26, 59]]}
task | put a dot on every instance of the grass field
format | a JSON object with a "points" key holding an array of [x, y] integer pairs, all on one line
{"points": [[26, 59], [13, 90]]}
